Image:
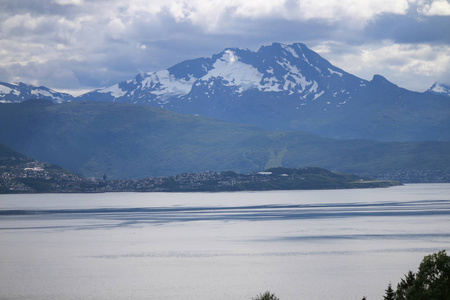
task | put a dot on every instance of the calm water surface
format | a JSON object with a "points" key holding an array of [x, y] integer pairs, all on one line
{"points": [[342, 244]]}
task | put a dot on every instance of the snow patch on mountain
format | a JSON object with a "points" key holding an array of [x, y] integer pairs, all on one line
{"points": [[318, 95], [234, 72], [440, 89], [335, 72], [270, 84], [291, 50], [299, 81], [114, 90], [5, 89], [42, 93], [163, 83]]}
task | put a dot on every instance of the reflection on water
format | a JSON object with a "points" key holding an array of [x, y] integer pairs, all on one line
{"points": [[342, 244]]}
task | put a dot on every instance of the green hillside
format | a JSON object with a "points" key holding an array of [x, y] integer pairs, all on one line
{"points": [[128, 141]]}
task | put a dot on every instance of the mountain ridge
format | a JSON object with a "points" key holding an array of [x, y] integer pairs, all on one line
{"points": [[268, 70], [18, 92], [287, 87]]}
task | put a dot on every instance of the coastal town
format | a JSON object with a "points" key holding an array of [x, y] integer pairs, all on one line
{"points": [[21, 175]]}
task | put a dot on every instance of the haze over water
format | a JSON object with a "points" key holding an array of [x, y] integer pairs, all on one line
{"points": [[329, 244]]}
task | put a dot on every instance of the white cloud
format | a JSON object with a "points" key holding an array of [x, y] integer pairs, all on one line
{"points": [[24, 21], [412, 66], [214, 14], [114, 39], [69, 2], [359, 10], [116, 28], [436, 8]]}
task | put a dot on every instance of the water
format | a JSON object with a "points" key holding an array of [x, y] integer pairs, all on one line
{"points": [[340, 244]]}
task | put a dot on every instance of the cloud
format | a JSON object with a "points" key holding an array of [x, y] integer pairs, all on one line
{"points": [[353, 10], [436, 8], [116, 28], [410, 28], [214, 15], [81, 44], [412, 66], [69, 2], [22, 23]]}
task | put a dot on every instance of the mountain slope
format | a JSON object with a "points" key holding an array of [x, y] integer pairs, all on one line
{"points": [[129, 141], [287, 87], [14, 93]]}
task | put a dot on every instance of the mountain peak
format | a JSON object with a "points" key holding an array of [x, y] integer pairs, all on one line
{"points": [[18, 92], [380, 80], [440, 89], [237, 77]]}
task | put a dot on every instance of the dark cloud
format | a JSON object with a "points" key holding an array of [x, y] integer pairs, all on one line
{"points": [[410, 28], [39, 8]]}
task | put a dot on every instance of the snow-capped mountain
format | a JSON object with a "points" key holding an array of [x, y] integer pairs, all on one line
{"points": [[287, 87], [440, 89], [12, 93], [278, 70], [278, 87]]}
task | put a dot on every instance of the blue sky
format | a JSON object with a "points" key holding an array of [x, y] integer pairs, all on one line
{"points": [[80, 45]]}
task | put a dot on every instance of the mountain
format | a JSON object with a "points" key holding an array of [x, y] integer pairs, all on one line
{"points": [[278, 70], [14, 93], [131, 141], [440, 89], [287, 87], [278, 87]]}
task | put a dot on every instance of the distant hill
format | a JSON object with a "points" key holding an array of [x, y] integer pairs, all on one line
{"points": [[129, 141], [20, 174]]}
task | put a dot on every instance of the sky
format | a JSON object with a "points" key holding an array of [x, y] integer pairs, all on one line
{"points": [[80, 45]]}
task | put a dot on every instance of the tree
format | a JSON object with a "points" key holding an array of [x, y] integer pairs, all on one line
{"points": [[404, 286], [389, 293], [266, 296], [433, 279]]}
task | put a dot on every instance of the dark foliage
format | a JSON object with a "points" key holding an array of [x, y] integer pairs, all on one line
{"points": [[389, 293], [404, 286], [266, 296], [432, 281]]}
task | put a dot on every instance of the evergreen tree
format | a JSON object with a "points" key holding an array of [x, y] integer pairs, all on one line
{"points": [[266, 296], [389, 293], [432, 282], [404, 286]]}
